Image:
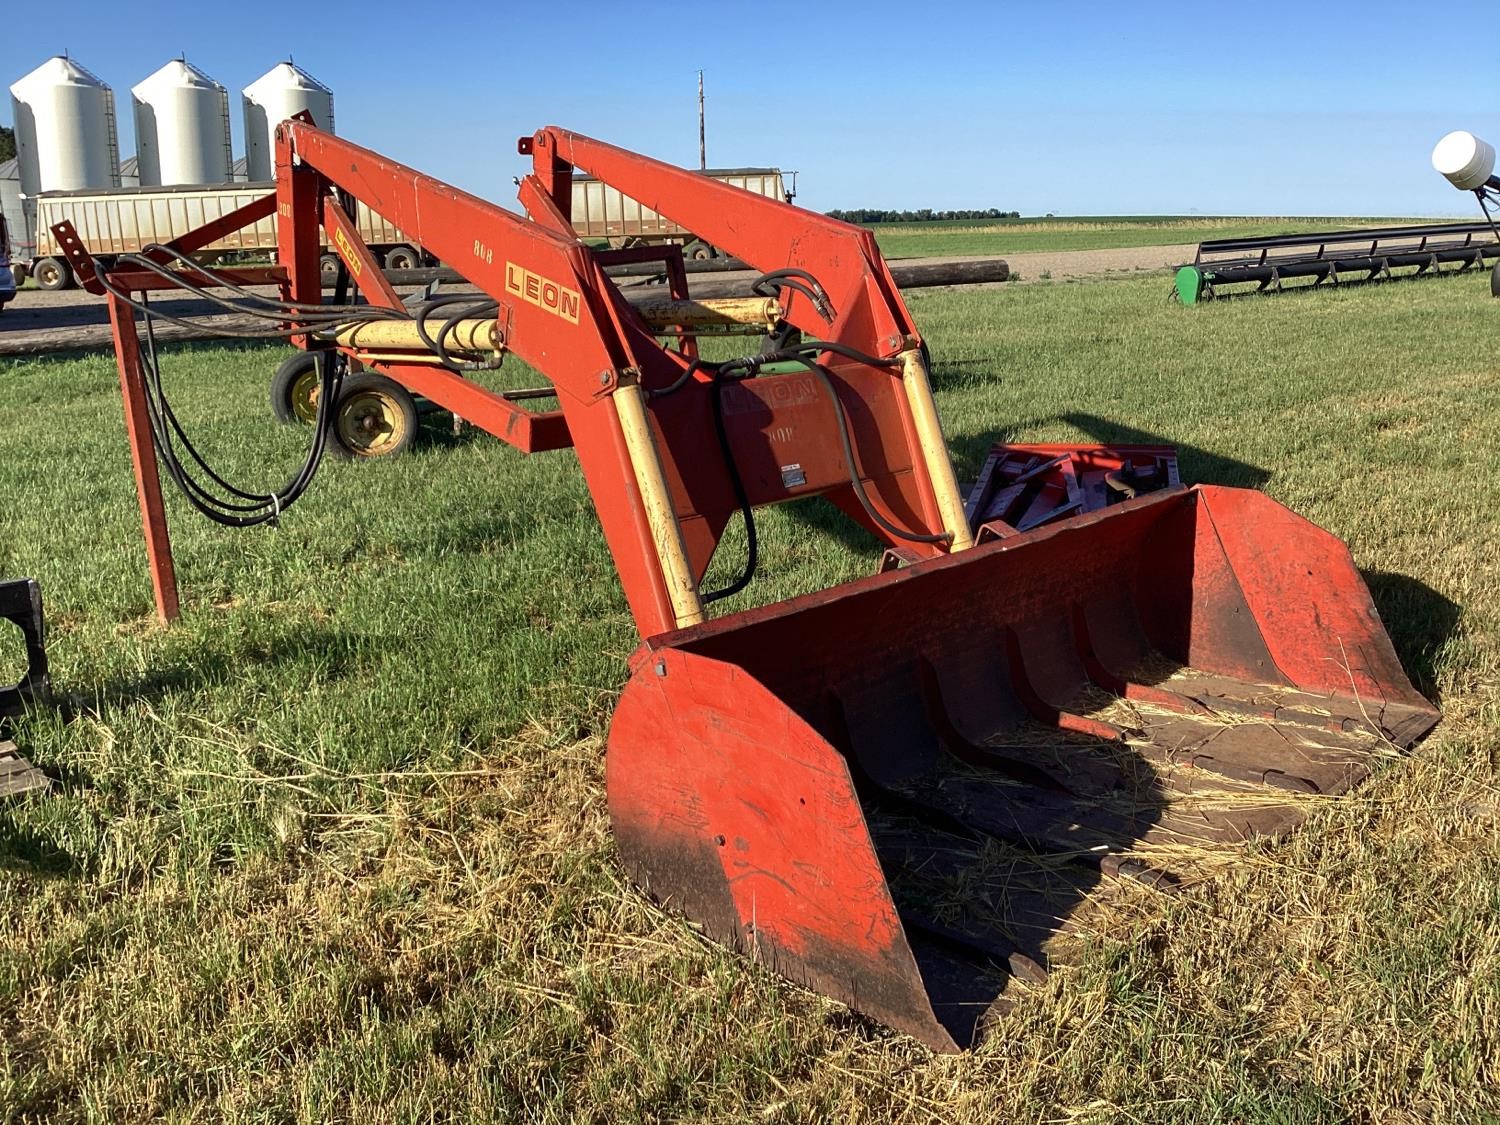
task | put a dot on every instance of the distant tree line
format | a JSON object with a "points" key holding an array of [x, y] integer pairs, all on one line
{"points": [[7, 143], [923, 215]]}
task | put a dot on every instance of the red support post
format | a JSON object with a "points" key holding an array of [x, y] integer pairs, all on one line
{"points": [[143, 454]]}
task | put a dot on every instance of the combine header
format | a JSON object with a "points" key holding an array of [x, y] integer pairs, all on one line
{"points": [[903, 791], [1333, 259]]}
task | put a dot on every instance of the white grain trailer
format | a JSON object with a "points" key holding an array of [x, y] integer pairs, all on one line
{"points": [[124, 220], [602, 212]]}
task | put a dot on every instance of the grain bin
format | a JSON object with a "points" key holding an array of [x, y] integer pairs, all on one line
{"points": [[181, 127], [284, 90], [65, 129]]}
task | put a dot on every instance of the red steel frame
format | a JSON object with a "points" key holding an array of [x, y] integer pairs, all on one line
{"points": [[561, 314]]}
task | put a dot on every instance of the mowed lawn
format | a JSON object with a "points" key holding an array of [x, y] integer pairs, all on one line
{"points": [[336, 848], [1085, 232]]}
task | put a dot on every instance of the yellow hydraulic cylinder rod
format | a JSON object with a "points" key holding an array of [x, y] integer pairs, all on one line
{"points": [[426, 359], [475, 335], [480, 335], [924, 418], [713, 312], [666, 532]]}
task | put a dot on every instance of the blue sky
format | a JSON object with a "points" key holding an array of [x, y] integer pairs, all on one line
{"points": [[1264, 107]]}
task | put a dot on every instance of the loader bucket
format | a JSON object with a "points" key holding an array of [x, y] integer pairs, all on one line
{"points": [[905, 791]]}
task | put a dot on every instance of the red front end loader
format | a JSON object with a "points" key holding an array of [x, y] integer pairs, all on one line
{"points": [[904, 791]]}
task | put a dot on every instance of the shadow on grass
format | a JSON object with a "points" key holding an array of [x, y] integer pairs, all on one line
{"points": [[1419, 620], [438, 432], [29, 852], [1197, 465], [200, 661]]}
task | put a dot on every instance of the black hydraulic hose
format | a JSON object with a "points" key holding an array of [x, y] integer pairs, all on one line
{"points": [[259, 508], [826, 377], [216, 508], [735, 370], [798, 353], [275, 309], [196, 326], [480, 308], [320, 328], [746, 367], [234, 506], [470, 306], [799, 281], [314, 309], [260, 500], [685, 378], [742, 498], [159, 413]]}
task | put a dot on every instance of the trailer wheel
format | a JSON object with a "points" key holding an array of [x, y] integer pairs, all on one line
{"points": [[294, 389], [52, 274], [698, 251], [402, 258], [1495, 281], [329, 265], [376, 417]]}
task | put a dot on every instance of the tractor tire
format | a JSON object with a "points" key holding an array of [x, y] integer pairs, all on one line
{"points": [[376, 417], [52, 274], [294, 389], [402, 258], [1495, 281]]}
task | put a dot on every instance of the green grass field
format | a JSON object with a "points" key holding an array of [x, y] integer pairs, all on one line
{"points": [[335, 848], [1090, 232]]}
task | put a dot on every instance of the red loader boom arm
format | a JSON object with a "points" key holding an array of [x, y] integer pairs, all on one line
{"points": [[652, 457]]}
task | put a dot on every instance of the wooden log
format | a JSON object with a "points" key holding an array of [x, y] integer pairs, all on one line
{"points": [[970, 271], [908, 275]]}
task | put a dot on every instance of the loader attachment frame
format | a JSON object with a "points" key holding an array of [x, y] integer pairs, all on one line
{"points": [[1049, 686], [641, 414]]}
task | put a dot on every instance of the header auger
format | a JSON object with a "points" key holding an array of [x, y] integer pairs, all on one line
{"points": [[901, 791]]}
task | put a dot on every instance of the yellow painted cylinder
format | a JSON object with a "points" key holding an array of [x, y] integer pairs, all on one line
{"points": [[929, 429], [714, 312], [666, 532], [425, 359], [477, 335]]}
